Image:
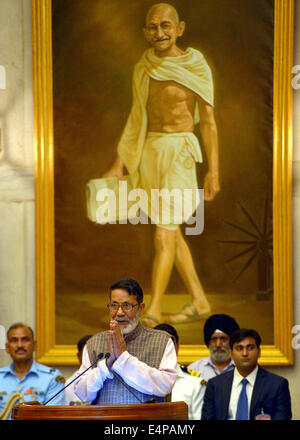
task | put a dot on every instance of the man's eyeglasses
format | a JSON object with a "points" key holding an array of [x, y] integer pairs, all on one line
{"points": [[126, 307]]}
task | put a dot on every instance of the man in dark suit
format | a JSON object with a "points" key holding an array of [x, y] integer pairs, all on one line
{"points": [[248, 392]]}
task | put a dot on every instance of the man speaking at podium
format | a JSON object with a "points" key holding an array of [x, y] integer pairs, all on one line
{"points": [[139, 364]]}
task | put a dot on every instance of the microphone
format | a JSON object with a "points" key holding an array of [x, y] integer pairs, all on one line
{"points": [[100, 356], [152, 400]]}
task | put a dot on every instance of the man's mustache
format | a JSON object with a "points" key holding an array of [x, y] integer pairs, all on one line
{"points": [[20, 350], [161, 39], [219, 350]]}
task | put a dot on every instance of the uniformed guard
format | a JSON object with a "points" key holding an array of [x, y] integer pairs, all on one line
{"points": [[24, 375], [189, 386], [71, 398]]}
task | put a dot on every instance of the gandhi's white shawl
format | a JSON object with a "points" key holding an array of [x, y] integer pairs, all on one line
{"points": [[190, 69]]}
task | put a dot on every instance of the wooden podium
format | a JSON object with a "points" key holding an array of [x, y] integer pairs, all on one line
{"points": [[146, 411]]}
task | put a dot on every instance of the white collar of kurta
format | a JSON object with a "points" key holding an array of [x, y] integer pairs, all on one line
{"points": [[237, 377]]}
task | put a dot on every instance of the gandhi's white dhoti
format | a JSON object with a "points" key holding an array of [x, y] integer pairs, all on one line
{"points": [[168, 175]]}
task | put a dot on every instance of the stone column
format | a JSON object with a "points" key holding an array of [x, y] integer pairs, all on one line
{"points": [[17, 262]]}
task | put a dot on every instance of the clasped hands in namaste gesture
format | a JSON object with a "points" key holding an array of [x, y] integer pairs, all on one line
{"points": [[116, 343]]}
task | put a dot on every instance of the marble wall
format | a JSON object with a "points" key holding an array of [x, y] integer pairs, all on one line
{"points": [[17, 258]]}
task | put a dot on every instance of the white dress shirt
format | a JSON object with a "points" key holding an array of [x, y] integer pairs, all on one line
{"points": [[188, 389], [236, 390], [137, 374], [69, 391]]}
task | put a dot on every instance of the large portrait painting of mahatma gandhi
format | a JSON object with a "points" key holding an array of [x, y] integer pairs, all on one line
{"points": [[204, 106]]}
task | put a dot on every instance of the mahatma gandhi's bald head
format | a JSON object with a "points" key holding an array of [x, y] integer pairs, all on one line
{"points": [[162, 6]]}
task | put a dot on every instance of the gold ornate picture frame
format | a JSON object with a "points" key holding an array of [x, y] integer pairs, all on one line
{"points": [[48, 351]]}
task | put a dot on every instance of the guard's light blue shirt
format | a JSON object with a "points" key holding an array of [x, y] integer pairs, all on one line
{"points": [[207, 369], [39, 383]]}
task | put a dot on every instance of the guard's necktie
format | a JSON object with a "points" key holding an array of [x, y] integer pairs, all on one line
{"points": [[242, 407]]}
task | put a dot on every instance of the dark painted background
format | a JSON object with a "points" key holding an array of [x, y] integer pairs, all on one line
{"points": [[95, 46]]}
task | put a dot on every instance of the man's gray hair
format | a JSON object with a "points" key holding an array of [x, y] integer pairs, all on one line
{"points": [[18, 325]]}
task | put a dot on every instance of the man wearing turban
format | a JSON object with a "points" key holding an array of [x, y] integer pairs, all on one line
{"points": [[217, 331]]}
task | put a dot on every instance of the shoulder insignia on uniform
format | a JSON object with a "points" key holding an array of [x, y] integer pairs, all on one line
{"points": [[189, 371], [203, 382], [60, 379], [193, 373]]}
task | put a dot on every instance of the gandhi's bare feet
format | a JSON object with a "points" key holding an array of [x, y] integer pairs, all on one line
{"points": [[189, 313], [151, 317], [150, 320]]}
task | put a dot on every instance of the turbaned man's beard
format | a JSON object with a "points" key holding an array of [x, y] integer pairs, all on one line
{"points": [[132, 323], [220, 355]]}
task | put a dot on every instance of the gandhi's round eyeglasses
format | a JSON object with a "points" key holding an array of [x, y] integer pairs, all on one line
{"points": [[126, 307]]}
